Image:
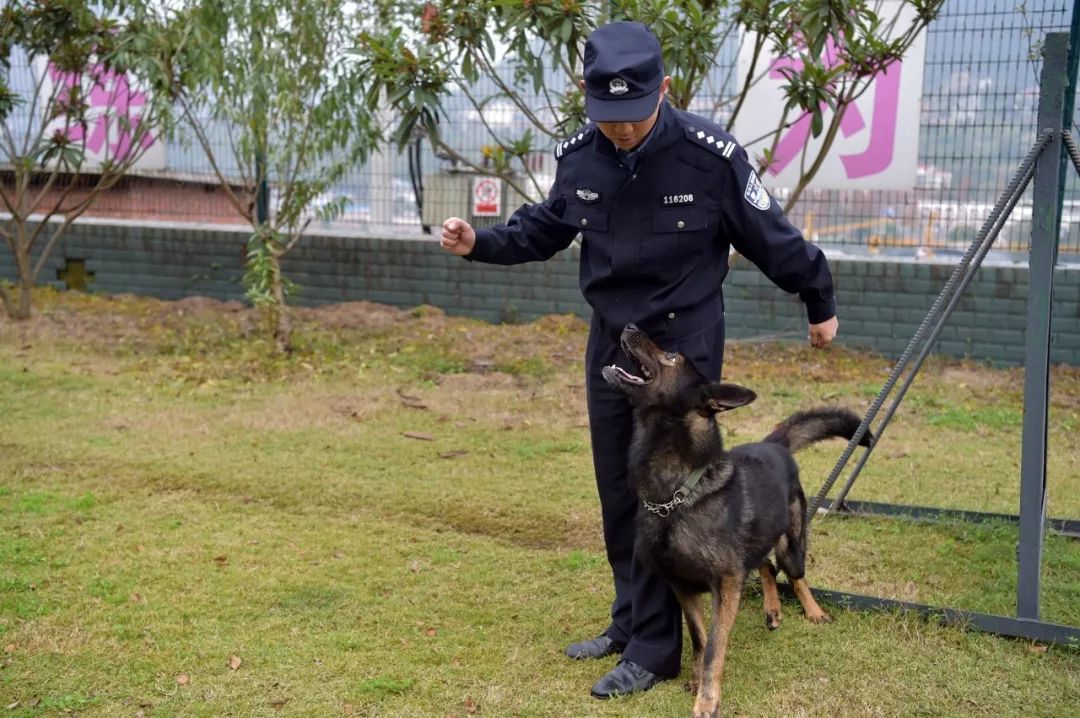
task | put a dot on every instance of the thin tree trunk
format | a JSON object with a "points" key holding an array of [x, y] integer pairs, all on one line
{"points": [[282, 320], [20, 309]]}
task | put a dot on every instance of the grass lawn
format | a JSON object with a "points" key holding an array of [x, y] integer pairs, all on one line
{"points": [[400, 519]]}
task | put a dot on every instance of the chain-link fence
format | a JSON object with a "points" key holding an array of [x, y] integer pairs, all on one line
{"points": [[977, 113]]}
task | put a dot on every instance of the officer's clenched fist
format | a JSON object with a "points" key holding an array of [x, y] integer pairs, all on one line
{"points": [[823, 333], [458, 237]]}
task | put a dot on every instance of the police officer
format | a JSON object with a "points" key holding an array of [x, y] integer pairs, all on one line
{"points": [[659, 196]]}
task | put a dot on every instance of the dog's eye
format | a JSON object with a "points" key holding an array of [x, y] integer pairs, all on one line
{"points": [[669, 359]]}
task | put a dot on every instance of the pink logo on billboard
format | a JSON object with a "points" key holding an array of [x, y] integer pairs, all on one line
{"points": [[878, 154], [111, 97]]}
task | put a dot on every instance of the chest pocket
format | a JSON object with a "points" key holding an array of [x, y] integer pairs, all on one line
{"points": [[585, 218], [679, 220], [675, 233]]}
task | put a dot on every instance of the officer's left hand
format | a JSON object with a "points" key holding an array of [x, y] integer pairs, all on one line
{"points": [[822, 334]]}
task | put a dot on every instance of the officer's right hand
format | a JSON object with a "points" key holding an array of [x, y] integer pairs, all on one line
{"points": [[458, 237]]}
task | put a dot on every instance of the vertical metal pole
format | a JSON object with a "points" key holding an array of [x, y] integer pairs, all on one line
{"points": [[262, 191], [1046, 223]]}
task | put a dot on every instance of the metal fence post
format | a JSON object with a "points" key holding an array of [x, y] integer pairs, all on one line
{"points": [[1046, 223]]}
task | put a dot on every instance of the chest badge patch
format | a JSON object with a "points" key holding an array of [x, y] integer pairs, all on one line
{"points": [[587, 195], [755, 192]]}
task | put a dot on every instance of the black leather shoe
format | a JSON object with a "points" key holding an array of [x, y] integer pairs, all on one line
{"points": [[625, 678], [593, 648]]}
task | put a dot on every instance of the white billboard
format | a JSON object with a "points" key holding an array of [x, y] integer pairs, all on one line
{"points": [[111, 97], [878, 141]]}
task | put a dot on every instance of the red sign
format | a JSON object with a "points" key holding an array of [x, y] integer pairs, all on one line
{"points": [[486, 197]]}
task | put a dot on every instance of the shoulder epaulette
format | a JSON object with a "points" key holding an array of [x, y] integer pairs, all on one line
{"points": [[576, 140], [710, 140]]}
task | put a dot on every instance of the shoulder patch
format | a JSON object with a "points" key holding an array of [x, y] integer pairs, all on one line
{"points": [[575, 141], [711, 141]]}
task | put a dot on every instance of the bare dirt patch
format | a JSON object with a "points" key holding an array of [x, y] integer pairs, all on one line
{"points": [[354, 315]]}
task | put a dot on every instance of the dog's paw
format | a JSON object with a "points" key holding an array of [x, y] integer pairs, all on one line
{"points": [[707, 707], [819, 617], [691, 686], [772, 620]]}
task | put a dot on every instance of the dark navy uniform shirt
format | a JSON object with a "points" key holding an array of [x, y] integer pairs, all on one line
{"points": [[656, 237]]}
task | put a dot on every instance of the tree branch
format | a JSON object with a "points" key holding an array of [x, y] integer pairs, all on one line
{"points": [[512, 95], [759, 44], [458, 157], [241, 207]]}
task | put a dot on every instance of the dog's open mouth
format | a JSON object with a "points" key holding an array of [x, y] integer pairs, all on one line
{"points": [[632, 378], [631, 353]]}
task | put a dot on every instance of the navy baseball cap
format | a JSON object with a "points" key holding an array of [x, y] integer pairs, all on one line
{"points": [[624, 69]]}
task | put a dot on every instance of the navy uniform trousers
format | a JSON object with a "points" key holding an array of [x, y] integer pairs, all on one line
{"points": [[645, 615]]}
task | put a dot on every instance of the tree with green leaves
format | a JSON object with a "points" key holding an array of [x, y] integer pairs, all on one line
{"points": [[428, 51], [278, 107], [95, 98]]}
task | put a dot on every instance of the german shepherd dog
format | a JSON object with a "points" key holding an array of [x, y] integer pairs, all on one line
{"points": [[711, 516]]}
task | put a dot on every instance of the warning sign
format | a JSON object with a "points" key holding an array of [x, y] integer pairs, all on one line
{"points": [[486, 197]]}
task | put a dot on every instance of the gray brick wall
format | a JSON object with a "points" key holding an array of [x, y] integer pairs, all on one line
{"points": [[882, 302]]}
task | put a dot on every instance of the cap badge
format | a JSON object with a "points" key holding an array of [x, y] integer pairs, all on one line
{"points": [[618, 86], [587, 195]]}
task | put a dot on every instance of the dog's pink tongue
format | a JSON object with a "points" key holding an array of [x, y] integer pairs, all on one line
{"points": [[627, 375]]}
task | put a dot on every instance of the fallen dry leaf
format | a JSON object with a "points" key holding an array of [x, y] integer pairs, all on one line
{"points": [[430, 632], [348, 709], [183, 679], [33, 702], [12, 706], [9, 648], [470, 705], [221, 560], [136, 597], [418, 435], [279, 703], [452, 453], [235, 662]]}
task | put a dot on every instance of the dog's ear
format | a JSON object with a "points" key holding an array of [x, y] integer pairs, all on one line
{"points": [[718, 397]]}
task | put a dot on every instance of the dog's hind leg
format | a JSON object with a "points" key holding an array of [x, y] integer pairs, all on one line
{"points": [[772, 597], [791, 557], [695, 624], [725, 605]]}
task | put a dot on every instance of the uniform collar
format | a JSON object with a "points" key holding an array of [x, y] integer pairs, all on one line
{"points": [[657, 137]]}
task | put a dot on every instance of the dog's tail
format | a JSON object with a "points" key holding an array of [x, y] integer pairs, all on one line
{"points": [[800, 430]]}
